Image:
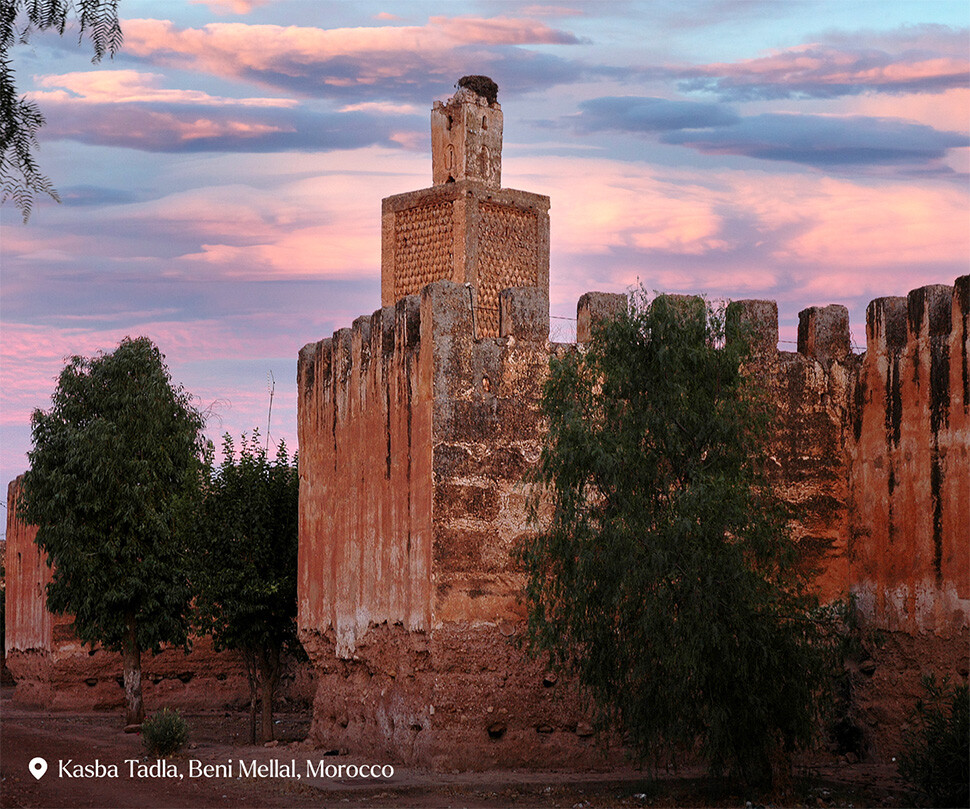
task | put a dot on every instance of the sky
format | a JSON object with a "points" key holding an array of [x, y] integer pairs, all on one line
{"points": [[221, 177]]}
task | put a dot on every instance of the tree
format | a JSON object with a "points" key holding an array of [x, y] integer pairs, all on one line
{"points": [[245, 564], [112, 470], [21, 119], [665, 579]]}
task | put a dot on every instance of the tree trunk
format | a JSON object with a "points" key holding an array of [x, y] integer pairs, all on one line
{"points": [[781, 773], [269, 665], [131, 659], [252, 676]]}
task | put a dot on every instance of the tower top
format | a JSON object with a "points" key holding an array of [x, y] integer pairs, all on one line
{"points": [[466, 134]]}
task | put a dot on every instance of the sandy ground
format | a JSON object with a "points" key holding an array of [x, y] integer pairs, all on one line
{"points": [[217, 739]]}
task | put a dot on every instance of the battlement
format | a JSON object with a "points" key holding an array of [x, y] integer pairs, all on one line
{"points": [[425, 355], [416, 431]]}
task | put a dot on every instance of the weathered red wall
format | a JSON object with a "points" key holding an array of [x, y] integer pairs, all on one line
{"points": [[365, 478], [436, 682], [53, 669], [28, 623], [909, 527], [411, 648]]}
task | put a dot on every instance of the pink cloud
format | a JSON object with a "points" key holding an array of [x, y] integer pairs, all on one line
{"points": [[601, 205], [823, 70], [500, 31], [948, 111], [150, 129], [381, 107], [893, 226], [796, 237], [132, 86], [551, 11], [245, 51], [230, 6]]}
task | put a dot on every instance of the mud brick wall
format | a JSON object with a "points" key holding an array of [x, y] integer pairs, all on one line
{"points": [[811, 392], [365, 477], [413, 657], [53, 669], [909, 528], [408, 595], [873, 451]]}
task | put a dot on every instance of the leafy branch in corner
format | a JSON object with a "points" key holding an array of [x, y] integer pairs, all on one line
{"points": [[21, 119]]}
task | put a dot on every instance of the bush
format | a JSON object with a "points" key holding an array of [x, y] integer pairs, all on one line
{"points": [[937, 757], [164, 733]]}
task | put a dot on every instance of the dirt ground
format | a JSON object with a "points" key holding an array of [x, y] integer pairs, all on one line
{"points": [[219, 739]]}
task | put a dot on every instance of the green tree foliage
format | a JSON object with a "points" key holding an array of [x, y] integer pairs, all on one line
{"points": [[664, 578], [113, 466], [245, 564], [20, 119], [936, 759]]}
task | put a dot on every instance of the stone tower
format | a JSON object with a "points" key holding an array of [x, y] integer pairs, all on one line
{"points": [[466, 228]]}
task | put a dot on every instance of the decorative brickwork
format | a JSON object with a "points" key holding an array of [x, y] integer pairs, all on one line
{"points": [[507, 257], [423, 238], [466, 228]]}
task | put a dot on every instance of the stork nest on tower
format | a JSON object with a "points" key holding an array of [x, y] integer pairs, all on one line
{"points": [[482, 85]]}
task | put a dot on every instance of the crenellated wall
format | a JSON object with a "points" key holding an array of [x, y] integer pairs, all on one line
{"points": [[364, 417], [909, 528], [414, 440]]}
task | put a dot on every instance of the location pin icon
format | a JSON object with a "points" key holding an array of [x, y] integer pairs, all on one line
{"points": [[37, 767]]}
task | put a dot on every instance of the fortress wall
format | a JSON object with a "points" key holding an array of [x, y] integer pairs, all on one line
{"points": [[364, 412], [365, 479], [28, 624], [444, 687], [54, 669], [812, 393], [493, 706], [486, 435], [910, 525]]}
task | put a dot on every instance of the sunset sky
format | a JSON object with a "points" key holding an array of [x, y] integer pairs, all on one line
{"points": [[222, 176]]}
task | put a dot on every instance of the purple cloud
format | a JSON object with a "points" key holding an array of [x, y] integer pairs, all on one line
{"points": [[823, 141], [640, 114], [923, 59], [164, 127]]}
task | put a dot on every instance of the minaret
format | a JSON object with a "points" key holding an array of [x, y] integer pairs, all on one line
{"points": [[466, 228], [466, 135]]}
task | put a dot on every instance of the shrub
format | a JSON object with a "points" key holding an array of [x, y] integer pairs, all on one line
{"points": [[937, 757], [164, 733]]}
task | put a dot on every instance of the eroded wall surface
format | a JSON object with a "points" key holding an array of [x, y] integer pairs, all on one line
{"points": [[54, 669], [413, 656], [909, 528]]}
